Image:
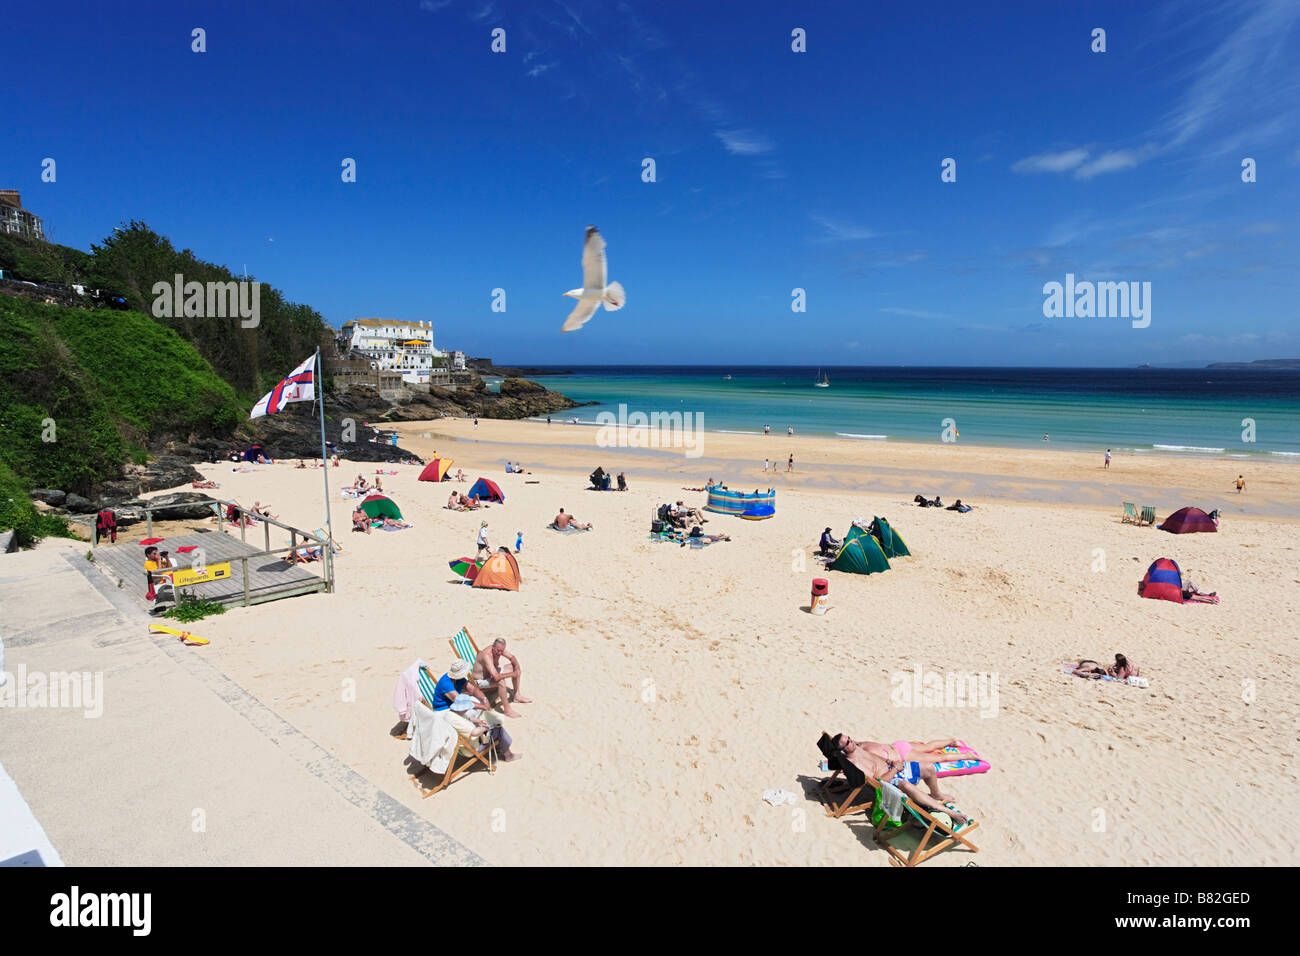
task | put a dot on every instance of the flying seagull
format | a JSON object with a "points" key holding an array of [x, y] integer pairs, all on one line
{"points": [[593, 291]]}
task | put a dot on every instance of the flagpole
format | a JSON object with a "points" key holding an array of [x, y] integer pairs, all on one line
{"points": [[325, 468]]}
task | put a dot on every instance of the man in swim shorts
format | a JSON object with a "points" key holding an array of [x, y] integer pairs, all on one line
{"points": [[904, 777]]}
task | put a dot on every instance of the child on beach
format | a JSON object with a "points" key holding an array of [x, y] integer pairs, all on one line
{"points": [[1241, 484], [519, 541]]}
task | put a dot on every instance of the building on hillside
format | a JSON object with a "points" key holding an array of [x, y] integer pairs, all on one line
{"points": [[392, 345], [17, 220]]}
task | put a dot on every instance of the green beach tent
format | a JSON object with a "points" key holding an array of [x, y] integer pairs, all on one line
{"points": [[860, 554], [891, 542], [381, 506]]}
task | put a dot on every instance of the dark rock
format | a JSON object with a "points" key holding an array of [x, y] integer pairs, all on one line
{"points": [[49, 495], [513, 387], [117, 490], [79, 505], [168, 471], [181, 505]]}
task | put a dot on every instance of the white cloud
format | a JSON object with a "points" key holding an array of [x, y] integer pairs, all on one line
{"points": [[916, 313], [540, 69], [744, 142], [1109, 162], [839, 231], [433, 6], [1050, 162]]}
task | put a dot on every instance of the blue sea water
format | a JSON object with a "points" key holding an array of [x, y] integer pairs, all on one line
{"points": [[1153, 411]]}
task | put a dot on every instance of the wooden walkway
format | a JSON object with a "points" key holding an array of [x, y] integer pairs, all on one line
{"points": [[270, 577]]}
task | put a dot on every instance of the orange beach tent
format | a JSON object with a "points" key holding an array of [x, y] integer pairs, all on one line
{"points": [[501, 570]]}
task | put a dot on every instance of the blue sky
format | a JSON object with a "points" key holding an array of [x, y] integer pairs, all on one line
{"points": [[775, 170]]}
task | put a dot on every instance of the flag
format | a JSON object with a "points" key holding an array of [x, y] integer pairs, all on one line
{"points": [[298, 387]]}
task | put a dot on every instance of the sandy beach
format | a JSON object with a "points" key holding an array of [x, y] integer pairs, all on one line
{"points": [[673, 686]]}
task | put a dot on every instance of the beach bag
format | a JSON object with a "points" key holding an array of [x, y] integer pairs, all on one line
{"points": [[656, 527]]}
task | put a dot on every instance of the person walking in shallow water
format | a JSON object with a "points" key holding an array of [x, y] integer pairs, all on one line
{"points": [[1107, 465], [1241, 484], [789, 465]]}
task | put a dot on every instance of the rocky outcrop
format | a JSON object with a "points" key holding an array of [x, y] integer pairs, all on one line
{"points": [[49, 495], [177, 506], [79, 505]]}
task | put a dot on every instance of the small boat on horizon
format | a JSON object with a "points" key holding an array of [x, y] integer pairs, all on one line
{"points": [[726, 378], [825, 381]]}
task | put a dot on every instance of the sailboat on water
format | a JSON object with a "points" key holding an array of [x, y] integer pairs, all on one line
{"points": [[825, 381]]}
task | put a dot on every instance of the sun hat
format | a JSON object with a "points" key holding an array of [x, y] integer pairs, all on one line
{"points": [[458, 670]]}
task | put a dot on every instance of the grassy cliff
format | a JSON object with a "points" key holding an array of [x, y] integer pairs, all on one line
{"points": [[83, 390]]}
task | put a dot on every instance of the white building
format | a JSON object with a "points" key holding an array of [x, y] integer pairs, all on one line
{"points": [[390, 345]]}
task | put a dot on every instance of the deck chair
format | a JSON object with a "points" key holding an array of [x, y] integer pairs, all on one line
{"points": [[334, 546], [1130, 513], [463, 646], [1148, 515], [887, 830], [467, 753], [837, 807]]}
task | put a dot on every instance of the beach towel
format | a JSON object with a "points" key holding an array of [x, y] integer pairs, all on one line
{"points": [[433, 740], [407, 692], [890, 803], [569, 530], [964, 760]]}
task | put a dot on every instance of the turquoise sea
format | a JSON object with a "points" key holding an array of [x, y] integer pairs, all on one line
{"points": [[1136, 411]]}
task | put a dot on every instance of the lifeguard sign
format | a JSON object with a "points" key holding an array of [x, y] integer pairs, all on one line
{"points": [[185, 577]]}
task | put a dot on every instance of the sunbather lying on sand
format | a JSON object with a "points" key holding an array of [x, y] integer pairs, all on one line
{"points": [[698, 532], [391, 524], [304, 555], [204, 484], [1122, 669], [904, 776], [563, 521]]}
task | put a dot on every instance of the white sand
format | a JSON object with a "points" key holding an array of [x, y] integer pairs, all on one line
{"points": [[673, 686]]}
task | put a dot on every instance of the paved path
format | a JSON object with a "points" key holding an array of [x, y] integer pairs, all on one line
{"points": [[181, 766]]}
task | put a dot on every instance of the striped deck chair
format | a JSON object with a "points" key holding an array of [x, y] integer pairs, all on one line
{"points": [[465, 749], [463, 646], [1130, 513], [887, 830], [1148, 515], [334, 545], [840, 806]]}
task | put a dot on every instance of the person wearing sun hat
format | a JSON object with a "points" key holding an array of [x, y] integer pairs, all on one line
{"points": [[473, 717], [482, 537]]}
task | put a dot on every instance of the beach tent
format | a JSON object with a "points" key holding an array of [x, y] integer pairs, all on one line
{"points": [[1162, 582], [1186, 520], [860, 554], [486, 490], [436, 470], [890, 541], [501, 570], [381, 506], [253, 451]]}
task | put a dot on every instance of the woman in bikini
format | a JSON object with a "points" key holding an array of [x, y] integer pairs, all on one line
{"points": [[1123, 668]]}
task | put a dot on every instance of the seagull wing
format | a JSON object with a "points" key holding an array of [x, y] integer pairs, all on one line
{"points": [[584, 310], [593, 263]]}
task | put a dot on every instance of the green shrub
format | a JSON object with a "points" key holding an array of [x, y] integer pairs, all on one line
{"points": [[194, 609], [17, 513]]}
